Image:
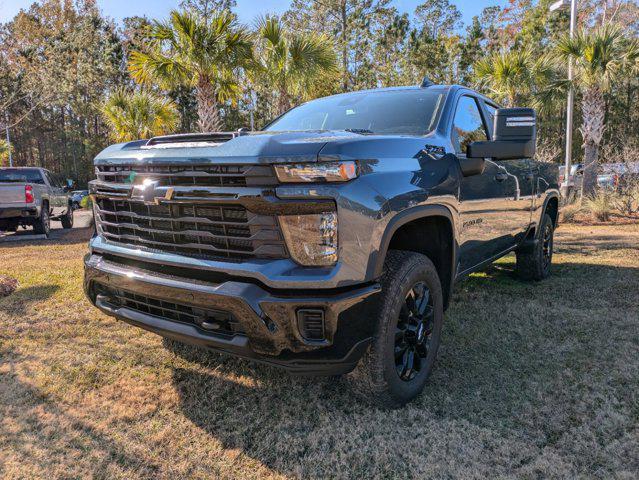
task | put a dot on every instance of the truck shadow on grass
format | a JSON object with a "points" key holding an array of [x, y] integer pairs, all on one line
{"points": [[520, 363], [37, 424], [18, 303]]}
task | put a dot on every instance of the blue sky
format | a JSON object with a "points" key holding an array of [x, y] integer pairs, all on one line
{"points": [[247, 9]]}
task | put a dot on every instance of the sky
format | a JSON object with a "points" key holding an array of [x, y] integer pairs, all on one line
{"points": [[247, 10]]}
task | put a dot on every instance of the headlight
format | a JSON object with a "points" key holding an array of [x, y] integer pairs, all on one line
{"points": [[311, 239], [317, 172]]}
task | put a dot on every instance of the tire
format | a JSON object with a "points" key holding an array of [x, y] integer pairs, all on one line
{"points": [[534, 263], [42, 225], [380, 377], [67, 219]]}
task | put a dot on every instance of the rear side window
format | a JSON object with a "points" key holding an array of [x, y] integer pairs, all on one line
{"points": [[468, 125], [21, 175]]}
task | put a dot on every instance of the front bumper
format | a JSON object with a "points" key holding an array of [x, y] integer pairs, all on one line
{"points": [[268, 317]]}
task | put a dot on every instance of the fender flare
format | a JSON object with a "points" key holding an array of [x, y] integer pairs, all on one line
{"points": [[550, 194], [404, 217]]}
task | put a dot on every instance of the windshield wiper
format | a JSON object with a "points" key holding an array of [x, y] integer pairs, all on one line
{"points": [[361, 131]]}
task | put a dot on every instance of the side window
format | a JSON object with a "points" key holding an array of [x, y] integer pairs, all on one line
{"points": [[468, 126], [49, 177], [53, 179]]}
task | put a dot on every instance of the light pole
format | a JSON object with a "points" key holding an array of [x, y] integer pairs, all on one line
{"points": [[572, 4], [6, 117]]}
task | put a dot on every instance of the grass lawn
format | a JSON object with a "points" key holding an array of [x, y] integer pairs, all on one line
{"points": [[533, 380]]}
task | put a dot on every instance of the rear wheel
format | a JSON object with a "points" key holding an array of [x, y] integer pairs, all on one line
{"points": [[42, 225], [409, 324], [533, 263], [67, 219]]}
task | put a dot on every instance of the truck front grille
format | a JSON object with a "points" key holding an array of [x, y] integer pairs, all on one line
{"points": [[187, 175], [213, 321], [210, 231]]}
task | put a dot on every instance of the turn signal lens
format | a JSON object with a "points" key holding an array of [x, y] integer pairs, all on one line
{"points": [[28, 194], [317, 172], [311, 239]]}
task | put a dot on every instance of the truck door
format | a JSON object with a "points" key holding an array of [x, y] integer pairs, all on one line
{"points": [[57, 195], [482, 201], [518, 188]]}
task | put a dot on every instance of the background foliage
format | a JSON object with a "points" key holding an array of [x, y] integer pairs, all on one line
{"points": [[60, 60]]}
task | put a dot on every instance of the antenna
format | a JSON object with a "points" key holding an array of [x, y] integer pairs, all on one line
{"points": [[426, 83]]}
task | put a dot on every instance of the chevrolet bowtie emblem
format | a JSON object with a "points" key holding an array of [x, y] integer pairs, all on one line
{"points": [[149, 193]]}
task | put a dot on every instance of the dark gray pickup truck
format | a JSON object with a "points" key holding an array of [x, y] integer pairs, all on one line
{"points": [[331, 240]]}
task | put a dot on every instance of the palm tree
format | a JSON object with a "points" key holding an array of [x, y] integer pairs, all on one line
{"points": [[5, 150], [140, 114], [291, 61], [206, 54], [515, 77], [598, 56]]}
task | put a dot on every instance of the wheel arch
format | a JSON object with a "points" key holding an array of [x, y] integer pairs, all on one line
{"points": [[551, 207], [401, 233]]}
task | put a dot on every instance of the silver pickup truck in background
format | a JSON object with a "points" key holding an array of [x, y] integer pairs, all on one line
{"points": [[31, 196]]}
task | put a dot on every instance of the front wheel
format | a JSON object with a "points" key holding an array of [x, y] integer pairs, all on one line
{"points": [[409, 324], [67, 219]]}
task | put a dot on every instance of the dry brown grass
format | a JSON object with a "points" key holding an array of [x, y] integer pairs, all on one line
{"points": [[534, 380]]}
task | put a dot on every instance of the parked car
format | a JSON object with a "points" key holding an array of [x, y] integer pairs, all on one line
{"points": [[33, 197], [329, 241], [77, 196]]}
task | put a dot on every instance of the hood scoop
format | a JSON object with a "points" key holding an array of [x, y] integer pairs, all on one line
{"points": [[193, 139]]}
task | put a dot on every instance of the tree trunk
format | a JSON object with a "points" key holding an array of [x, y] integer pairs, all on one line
{"points": [[592, 128], [207, 111], [344, 18], [283, 101]]}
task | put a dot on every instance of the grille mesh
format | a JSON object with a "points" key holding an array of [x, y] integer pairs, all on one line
{"points": [[215, 321], [207, 231]]}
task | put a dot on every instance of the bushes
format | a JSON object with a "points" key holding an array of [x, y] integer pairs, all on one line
{"points": [[601, 205]]}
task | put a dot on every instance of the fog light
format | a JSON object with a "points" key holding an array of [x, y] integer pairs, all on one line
{"points": [[311, 239], [310, 323]]}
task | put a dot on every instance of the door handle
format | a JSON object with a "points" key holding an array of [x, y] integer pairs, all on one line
{"points": [[500, 177]]}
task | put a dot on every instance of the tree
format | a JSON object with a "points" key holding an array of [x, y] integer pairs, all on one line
{"points": [[350, 24], [291, 62], [438, 17], [60, 58], [598, 56], [204, 8], [139, 114], [5, 150], [515, 77], [204, 54]]}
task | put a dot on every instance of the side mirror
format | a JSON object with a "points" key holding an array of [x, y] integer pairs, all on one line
{"points": [[514, 136]]}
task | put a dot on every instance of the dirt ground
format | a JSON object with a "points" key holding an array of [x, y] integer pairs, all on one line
{"points": [[533, 380]]}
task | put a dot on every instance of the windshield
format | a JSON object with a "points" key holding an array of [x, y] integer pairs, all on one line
{"points": [[392, 112], [21, 175]]}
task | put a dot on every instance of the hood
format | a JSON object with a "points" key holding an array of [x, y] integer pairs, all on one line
{"points": [[256, 147]]}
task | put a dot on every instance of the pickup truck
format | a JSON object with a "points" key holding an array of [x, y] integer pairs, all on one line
{"points": [[331, 240], [31, 196]]}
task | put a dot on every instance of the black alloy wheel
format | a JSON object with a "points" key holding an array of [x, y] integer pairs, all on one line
{"points": [[413, 332], [547, 244]]}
